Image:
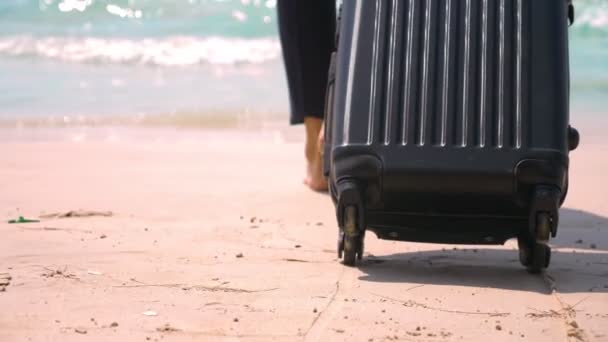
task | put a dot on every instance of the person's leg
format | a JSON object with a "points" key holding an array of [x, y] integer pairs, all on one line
{"points": [[307, 29], [314, 160]]}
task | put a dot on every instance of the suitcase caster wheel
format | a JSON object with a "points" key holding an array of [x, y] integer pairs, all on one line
{"points": [[350, 246], [525, 252], [543, 227], [541, 257], [535, 257], [350, 251]]}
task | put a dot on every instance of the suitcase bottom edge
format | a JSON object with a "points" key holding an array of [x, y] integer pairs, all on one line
{"points": [[462, 230]]}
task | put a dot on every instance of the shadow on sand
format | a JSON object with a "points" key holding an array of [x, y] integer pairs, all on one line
{"points": [[583, 270]]}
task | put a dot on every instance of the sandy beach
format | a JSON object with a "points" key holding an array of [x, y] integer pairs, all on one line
{"points": [[211, 236]]}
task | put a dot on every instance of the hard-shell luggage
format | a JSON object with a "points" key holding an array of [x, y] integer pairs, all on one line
{"points": [[448, 122]]}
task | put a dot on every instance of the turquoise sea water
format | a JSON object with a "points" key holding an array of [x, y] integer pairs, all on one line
{"points": [[81, 60]]}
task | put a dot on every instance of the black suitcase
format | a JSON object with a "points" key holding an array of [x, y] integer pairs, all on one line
{"points": [[448, 122]]}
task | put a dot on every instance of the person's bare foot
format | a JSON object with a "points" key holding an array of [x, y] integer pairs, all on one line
{"points": [[313, 151]]}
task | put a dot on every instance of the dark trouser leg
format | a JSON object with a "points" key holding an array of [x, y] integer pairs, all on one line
{"points": [[307, 29]]}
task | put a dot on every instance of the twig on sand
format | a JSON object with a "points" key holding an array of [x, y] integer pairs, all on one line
{"points": [[580, 301], [415, 287], [137, 281], [57, 273], [295, 260], [167, 328], [304, 261], [199, 287], [54, 229], [411, 303], [229, 289], [567, 312], [544, 314], [78, 213], [150, 285]]}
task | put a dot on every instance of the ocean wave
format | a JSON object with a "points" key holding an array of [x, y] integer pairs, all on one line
{"points": [[168, 51], [591, 16]]}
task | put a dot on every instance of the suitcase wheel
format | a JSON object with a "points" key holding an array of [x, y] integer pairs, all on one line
{"points": [[544, 213], [543, 227], [352, 221], [535, 257], [350, 240], [534, 253], [541, 257]]}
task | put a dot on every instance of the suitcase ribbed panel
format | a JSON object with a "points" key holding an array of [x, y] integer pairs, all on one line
{"points": [[449, 116], [378, 73], [446, 73]]}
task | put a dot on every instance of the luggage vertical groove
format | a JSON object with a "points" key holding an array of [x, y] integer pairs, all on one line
{"points": [[351, 77], [418, 65], [501, 74], [445, 71], [424, 87], [375, 113], [391, 111], [389, 75], [408, 71], [492, 69], [474, 71], [518, 66], [508, 87], [483, 79], [465, 72]]}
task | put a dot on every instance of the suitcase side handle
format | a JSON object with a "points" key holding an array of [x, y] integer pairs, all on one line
{"points": [[570, 12]]}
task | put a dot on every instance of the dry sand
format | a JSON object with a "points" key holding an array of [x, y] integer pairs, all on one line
{"points": [[214, 238]]}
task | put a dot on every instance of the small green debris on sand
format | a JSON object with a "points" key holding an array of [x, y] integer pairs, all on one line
{"points": [[22, 219]]}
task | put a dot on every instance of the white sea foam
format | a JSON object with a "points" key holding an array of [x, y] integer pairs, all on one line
{"points": [[168, 51], [595, 17]]}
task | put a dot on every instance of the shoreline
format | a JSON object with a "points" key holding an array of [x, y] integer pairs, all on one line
{"points": [[592, 128]]}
